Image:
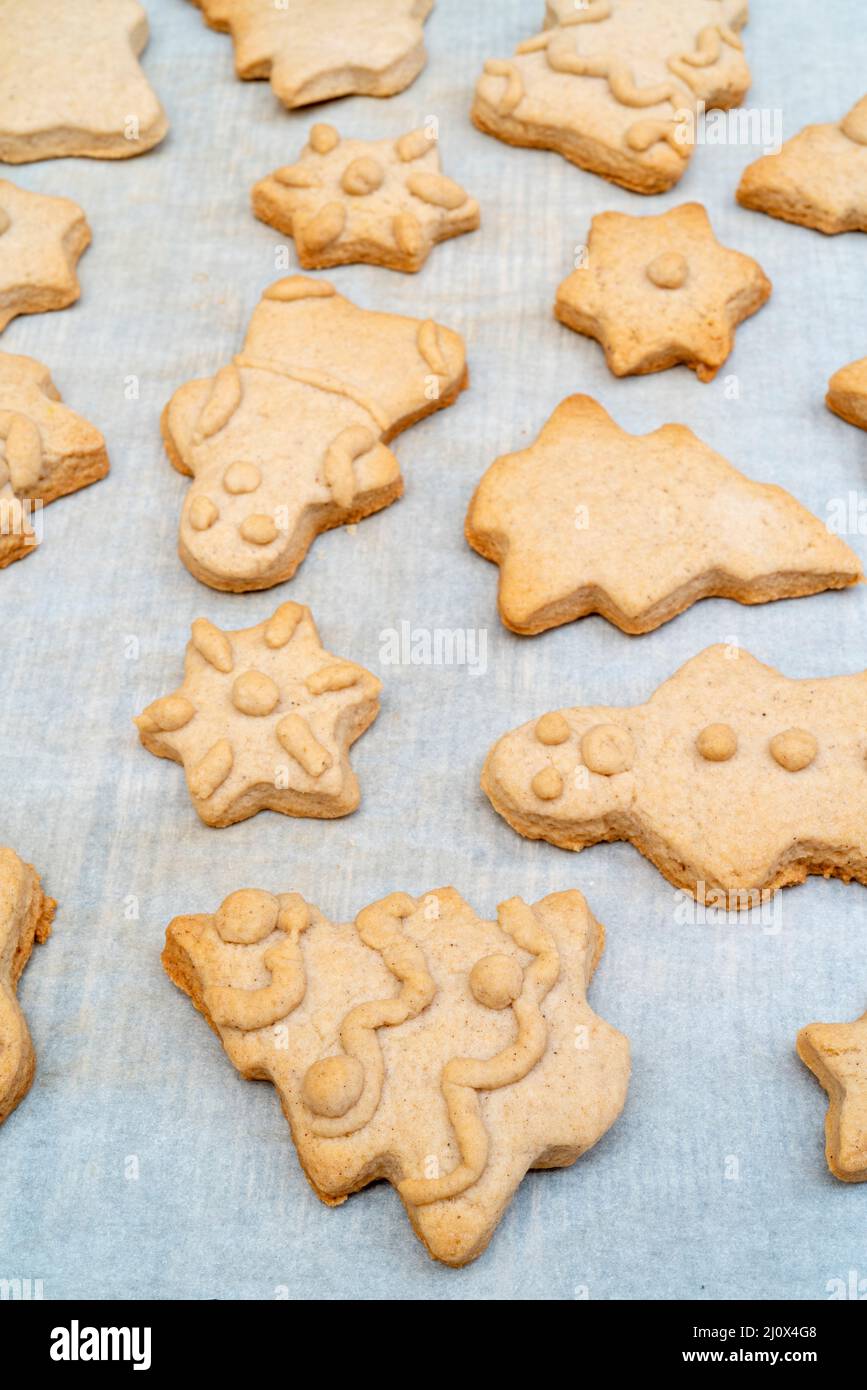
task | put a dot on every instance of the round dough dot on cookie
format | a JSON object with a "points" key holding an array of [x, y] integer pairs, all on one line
{"points": [[496, 981], [241, 477], [668, 271], [548, 784], [203, 513], [171, 712], [794, 749], [247, 916], [607, 749], [552, 728], [333, 1085], [323, 137], [717, 743], [255, 693], [258, 529], [364, 175]]}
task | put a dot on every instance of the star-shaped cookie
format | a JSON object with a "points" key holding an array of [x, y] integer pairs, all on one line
{"points": [[617, 85], [71, 83], [313, 50], [732, 779], [263, 720], [420, 1044], [818, 179], [41, 240], [46, 451], [289, 439], [657, 291], [847, 393], [25, 917], [385, 202], [591, 519], [836, 1053]]}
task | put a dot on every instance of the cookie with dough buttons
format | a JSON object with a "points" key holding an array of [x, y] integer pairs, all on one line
{"points": [[420, 1043], [263, 720], [733, 779], [26, 914], [386, 202], [290, 438], [661, 290]]}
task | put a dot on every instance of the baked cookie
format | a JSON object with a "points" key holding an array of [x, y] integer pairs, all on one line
{"points": [[263, 720], [616, 85], [70, 81], [25, 917], [420, 1044], [658, 291], [381, 201], [591, 519], [847, 393], [41, 240], [836, 1053], [313, 50], [46, 451], [289, 439], [818, 179], [732, 779]]}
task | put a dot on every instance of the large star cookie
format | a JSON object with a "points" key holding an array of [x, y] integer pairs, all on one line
{"points": [[263, 720], [289, 439], [46, 451], [419, 1044], [847, 393], [732, 779], [381, 201], [591, 519], [70, 81], [616, 85], [25, 917], [837, 1054], [657, 291], [41, 240], [313, 50], [818, 179]]}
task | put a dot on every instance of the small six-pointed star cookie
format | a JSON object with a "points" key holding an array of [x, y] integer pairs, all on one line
{"points": [[313, 50], [847, 393], [616, 85], [818, 179], [46, 451], [656, 291], [289, 439], [70, 81], [420, 1044], [836, 1053], [41, 240], [732, 779], [381, 201], [25, 917], [263, 720], [591, 519]]}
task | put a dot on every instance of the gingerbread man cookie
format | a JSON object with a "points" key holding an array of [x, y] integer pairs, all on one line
{"points": [[616, 85], [818, 179], [847, 393], [25, 917], [263, 720], [289, 439], [313, 50], [657, 291], [732, 779], [381, 201], [46, 451], [638, 527], [70, 81], [420, 1044], [41, 240], [836, 1054]]}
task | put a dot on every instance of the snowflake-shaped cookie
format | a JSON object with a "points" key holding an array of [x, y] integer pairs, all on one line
{"points": [[591, 519], [847, 393], [837, 1054], [732, 779], [657, 291], [616, 85], [263, 720], [818, 179], [313, 50], [41, 240], [46, 451], [70, 81], [25, 917], [420, 1044], [381, 201]]}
